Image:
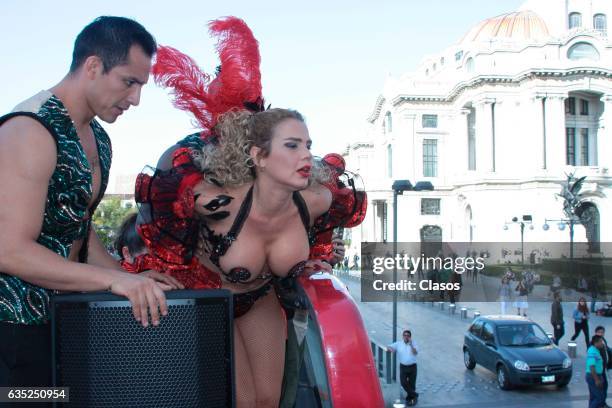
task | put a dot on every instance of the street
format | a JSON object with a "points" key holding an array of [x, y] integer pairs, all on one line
{"points": [[443, 380]]}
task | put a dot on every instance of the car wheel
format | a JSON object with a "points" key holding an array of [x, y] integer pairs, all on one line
{"points": [[468, 360], [502, 378]]}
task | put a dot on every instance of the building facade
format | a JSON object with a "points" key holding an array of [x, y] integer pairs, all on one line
{"points": [[496, 122]]}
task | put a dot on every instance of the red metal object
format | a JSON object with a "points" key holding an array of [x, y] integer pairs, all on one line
{"points": [[351, 371]]}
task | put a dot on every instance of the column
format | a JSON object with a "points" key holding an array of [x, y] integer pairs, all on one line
{"points": [[555, 133], [604, 135], [459, 143], [484, 135], [410, 152]]}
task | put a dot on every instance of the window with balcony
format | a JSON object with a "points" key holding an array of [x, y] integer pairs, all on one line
{"points": [[570, 146], [584, 107], [430, 158], [584, 147]]}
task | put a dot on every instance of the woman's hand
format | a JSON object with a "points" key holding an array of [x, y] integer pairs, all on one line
{"points": [[316, 265], [166, 282], [338, 250]]}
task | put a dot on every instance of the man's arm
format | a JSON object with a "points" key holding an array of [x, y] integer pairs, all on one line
{"points": [[414, 347], [27, 161]]}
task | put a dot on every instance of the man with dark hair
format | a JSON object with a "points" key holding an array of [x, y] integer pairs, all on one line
{"points": [[606, 355], [595, 373], [54, 166], [407, 351]]}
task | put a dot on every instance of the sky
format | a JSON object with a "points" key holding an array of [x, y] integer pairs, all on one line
{"points": [[327, 59]]}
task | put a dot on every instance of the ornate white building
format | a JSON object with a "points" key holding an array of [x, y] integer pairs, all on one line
{"points": [[495, 122]]}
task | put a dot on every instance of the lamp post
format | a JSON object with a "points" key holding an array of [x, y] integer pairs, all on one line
{"points": [[526, 220], [561, 224], [399, 186]]}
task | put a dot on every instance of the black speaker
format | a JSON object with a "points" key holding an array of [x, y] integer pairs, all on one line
{"points": [[109, 360]]}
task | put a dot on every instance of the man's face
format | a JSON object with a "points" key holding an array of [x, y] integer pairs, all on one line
{"points": [[406, 337], [113, 92], [600, 332]]}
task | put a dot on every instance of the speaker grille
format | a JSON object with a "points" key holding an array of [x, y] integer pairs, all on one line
{"points": [[109, 360]]}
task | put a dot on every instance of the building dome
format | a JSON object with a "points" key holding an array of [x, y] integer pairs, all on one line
{"points": [[517, 26]]}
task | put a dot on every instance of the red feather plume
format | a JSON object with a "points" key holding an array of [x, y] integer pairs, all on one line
{"points": [[238, 82]]}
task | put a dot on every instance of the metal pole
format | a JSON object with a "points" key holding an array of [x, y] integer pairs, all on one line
{"points": [[522, 246], [571, 225], [394, 326]]}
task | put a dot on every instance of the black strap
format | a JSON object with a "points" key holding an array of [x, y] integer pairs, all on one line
{"points": [[242, 215], [223, 244], [302, 209]]}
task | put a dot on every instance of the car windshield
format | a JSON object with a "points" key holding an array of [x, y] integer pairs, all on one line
{"points": [[522, 335]]}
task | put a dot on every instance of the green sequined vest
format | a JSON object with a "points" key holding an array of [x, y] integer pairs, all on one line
{"points": [[66, 218]]}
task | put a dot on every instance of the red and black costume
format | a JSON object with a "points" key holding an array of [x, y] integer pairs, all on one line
{"points": [[169, 225]]}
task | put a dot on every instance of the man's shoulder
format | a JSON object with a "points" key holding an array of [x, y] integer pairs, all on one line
{"points": [[33, 103]]}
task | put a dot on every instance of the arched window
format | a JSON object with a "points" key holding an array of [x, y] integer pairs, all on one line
{"points": [[575, 20], [388, 123], [469, 65], [600, 23], [583, 50]]}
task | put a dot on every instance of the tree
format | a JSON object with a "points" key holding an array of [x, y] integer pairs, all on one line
{"points": [[108, 218]]}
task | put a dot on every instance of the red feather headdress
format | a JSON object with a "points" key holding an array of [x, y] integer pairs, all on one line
{"points": [[237, 85]]}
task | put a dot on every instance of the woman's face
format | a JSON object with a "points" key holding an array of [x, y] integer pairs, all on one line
{"points": [[289, 161]]}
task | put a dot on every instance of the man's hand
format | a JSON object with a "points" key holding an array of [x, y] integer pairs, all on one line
{"points": [[145, 295], [598, 382], [166, 282]]}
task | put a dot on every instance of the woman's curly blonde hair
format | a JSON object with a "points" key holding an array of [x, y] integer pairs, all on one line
{"points": [[229, 163]]}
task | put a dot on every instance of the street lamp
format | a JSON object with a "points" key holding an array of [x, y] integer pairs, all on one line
{"points": [[561, 223], [399, 186], [527, 220]]}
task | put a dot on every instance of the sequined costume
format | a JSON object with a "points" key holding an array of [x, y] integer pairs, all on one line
{"points": [[171, 229], [66, 218]]}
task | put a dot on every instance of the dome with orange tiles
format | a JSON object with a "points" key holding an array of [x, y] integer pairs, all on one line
{"points": [[523, 25]]}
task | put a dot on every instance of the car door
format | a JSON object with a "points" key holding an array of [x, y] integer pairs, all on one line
{"points": [[473, 341], [489, 348]]}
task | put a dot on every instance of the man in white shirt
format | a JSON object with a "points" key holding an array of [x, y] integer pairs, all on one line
{"points": [[407, 351]]}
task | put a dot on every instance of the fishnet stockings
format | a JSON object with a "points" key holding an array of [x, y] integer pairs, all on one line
{"points": [[259, 349]]}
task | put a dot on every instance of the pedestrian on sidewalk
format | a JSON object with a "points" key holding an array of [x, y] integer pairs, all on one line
{"points": [[595, 373], [521, 300], [606, 355], [407, 351], [581, 320], [505, 294], [556, 318]]}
